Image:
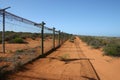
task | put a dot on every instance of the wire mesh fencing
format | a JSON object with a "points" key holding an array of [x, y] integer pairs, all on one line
{"points": [[57, 38], [20, 39], [20, 34], [48, 39], [24, 40]]}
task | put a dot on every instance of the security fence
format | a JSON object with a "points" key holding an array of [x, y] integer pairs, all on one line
{"points": [[17, 33], [24, 40]]}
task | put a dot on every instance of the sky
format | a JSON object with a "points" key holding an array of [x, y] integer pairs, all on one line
{"points": [[82, 17]]}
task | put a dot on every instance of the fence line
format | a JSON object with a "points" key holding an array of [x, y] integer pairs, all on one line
{"points": [[24, 40], [17, 27]]}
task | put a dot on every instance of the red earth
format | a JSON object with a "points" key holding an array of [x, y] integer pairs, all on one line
{"points": [[72, 61]]}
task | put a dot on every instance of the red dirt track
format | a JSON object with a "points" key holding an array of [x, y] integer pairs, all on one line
{"points": [[75, 67], [82, 63]]}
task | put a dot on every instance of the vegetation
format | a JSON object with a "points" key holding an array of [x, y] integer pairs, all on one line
{"points": [[64, 57], [113, 48], [110, 45], [16, 40], [18, 37], [72, 39], [19, 51]]}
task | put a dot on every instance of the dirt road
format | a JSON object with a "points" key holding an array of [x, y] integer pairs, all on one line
{"points": [[66, 63], [107, 67]]}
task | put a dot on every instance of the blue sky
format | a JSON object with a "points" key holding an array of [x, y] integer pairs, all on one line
{"points": [[84, 17]]}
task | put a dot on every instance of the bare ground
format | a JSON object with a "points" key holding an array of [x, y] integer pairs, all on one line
{"points": [[107, 67], [66, 63], [76, 66], [13, 57]]}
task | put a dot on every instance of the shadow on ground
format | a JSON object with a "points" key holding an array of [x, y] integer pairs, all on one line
{"points": [[68, 60], [89, 78]]}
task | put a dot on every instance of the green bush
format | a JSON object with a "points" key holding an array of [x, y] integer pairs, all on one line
{"points": [[92, 41], [72, 39], [112, 49], [64, 57], [9, 35], [95, 43], [110, 45], [17, 40]]}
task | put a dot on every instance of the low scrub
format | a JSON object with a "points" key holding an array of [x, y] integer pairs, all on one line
{"points": [[72, 39], [19, 51], [110, 45], [93, 41], [112, 49], [17, 40], [64, 57], [12, 35]]}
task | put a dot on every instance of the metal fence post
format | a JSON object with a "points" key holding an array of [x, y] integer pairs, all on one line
{"points": [[3, 32], [59, 38], [42, 38], [53, 38], [62, 37]]}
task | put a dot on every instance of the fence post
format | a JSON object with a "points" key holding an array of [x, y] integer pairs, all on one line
{"points": [[53, 38], [62, 37], [59, 38], [3, 32], [42, 38]]}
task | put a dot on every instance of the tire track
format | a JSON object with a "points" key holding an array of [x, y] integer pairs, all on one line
{"points": [[75, 69], [87, 61]]}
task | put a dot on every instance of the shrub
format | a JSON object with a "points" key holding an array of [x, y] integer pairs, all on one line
{"points": [[10, 35], [64, 57], [95, 43], [110, 45], [19, 51], [112, 49], [72, 39], [92, 41], [17, 40]]}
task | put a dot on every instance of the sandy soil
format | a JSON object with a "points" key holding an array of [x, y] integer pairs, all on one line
{"points": [[75, 67], [31, 50], [66, 63], [108, 68], [11, 48]]}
